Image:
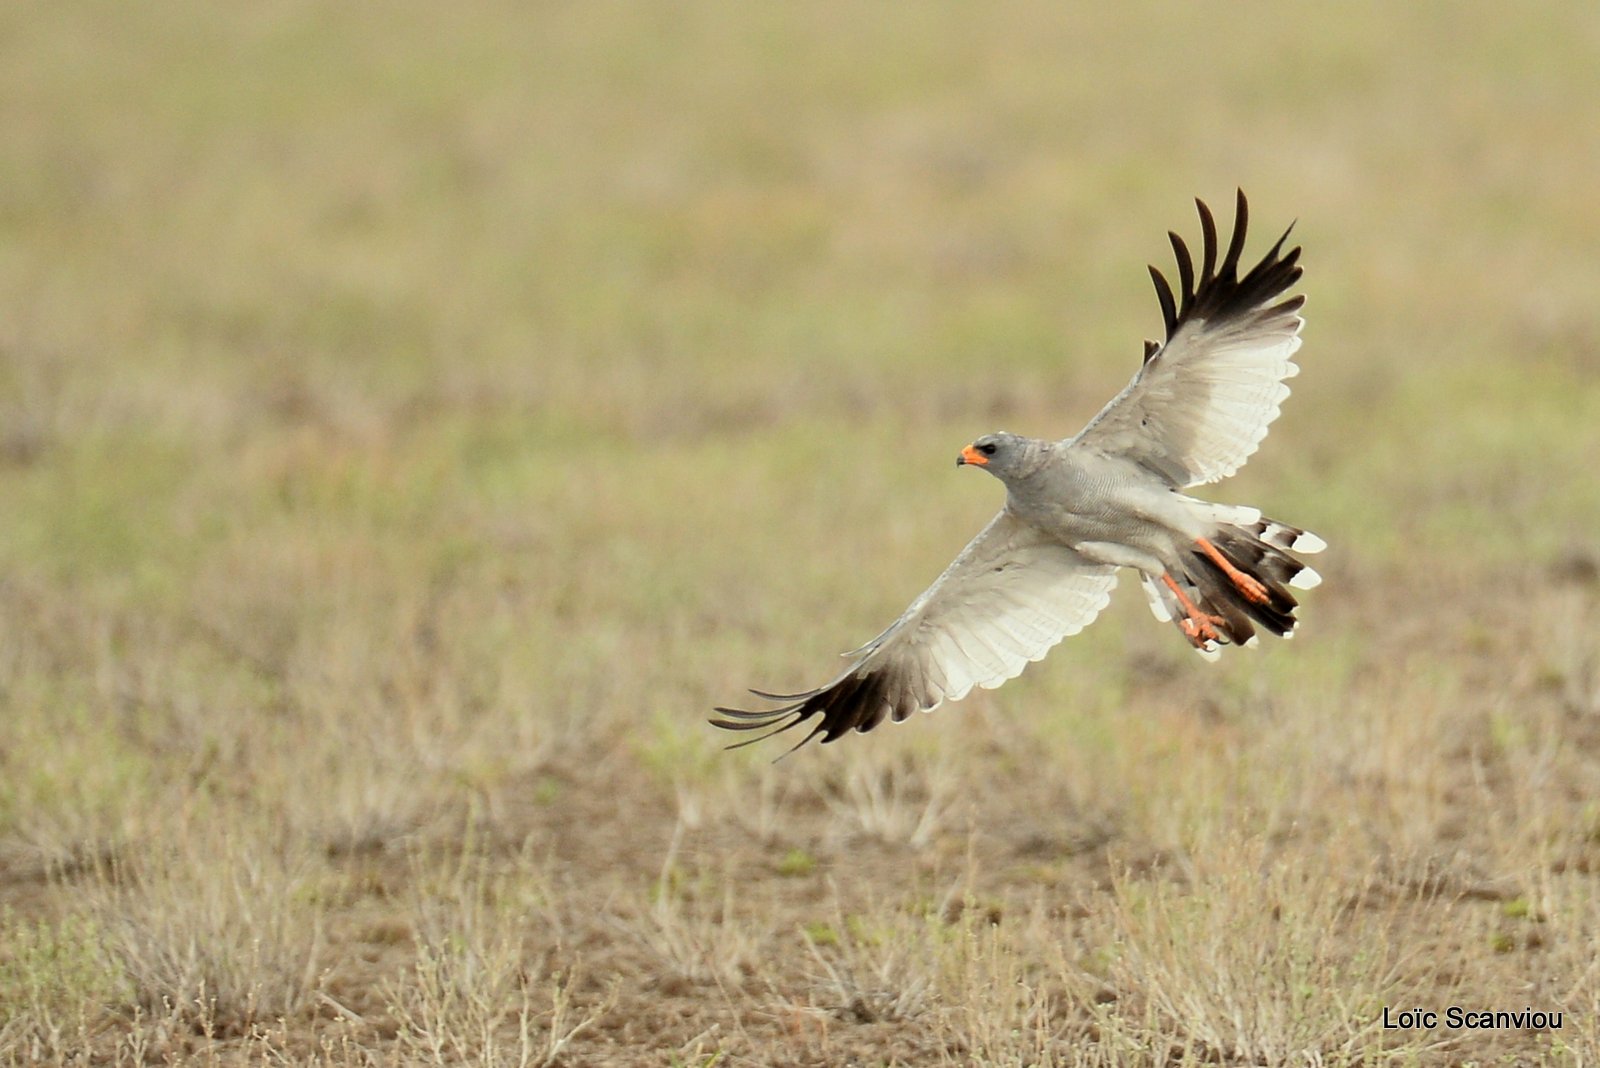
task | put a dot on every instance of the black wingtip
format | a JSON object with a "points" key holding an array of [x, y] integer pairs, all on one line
{"points": [[856, 700], [735, 725], [1208, 234], [764, 695], [1219, 291], [1241, 225], [1169, 305], [1180, 252], [802, 742], [793, 711]]}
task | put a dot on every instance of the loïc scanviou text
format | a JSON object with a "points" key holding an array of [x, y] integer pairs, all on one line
{"points": [[1457, 1017]]}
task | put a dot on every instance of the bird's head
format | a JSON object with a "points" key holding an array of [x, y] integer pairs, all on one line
{"points": [[999, 453]]}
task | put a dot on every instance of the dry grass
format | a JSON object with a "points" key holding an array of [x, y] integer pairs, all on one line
{"points": [[410, 427]]}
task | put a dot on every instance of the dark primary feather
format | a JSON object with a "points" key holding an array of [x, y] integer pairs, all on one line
{"points": [[854, 701], [1219, 292], [1005, 600]]}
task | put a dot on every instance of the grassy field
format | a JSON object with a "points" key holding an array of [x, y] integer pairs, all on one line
{"points": [[412, 423]]}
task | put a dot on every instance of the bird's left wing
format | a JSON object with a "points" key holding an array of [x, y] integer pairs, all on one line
{"points": [[1204, 398], [1008, 598]]}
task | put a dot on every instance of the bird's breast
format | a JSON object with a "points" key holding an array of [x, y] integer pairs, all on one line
{"points": [[1096, 499]]}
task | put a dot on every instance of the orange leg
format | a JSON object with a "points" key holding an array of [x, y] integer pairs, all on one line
{"points": [[1199, 626], [1252, 589]]}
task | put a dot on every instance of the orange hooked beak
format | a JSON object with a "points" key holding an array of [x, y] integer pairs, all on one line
{"points": [[969, 455]]}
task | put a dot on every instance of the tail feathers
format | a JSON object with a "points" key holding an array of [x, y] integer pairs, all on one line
{"points": [[1282, 536], [1261, 550], [1269, 544]]}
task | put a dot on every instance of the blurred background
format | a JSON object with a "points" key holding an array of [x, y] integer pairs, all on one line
{"points": [[412, 421]]}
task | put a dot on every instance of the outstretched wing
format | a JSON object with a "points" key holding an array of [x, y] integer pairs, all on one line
{"points": [[1009, 597], [1204, 398]]}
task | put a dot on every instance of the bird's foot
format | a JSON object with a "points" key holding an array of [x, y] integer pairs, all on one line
{"points": [[1201, 629]]}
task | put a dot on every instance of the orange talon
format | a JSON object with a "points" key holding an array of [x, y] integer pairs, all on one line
{"points": [[1199, 626], [1251, 587]]}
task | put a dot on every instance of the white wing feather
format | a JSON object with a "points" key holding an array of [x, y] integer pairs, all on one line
{"points": [[1202, 402], [1006, 600]]}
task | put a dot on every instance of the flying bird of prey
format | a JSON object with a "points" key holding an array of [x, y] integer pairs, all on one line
{"points": [[1078, 510]]}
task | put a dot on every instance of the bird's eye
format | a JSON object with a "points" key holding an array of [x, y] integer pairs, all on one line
{"points": [[987, 448]]}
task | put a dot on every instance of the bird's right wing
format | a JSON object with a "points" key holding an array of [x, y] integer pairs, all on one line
{"points": [[1008, 598]]}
